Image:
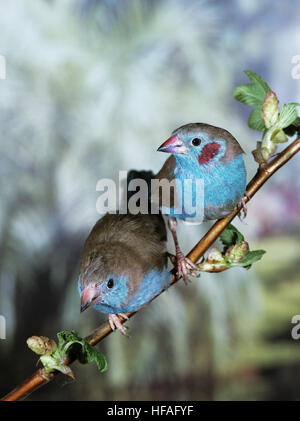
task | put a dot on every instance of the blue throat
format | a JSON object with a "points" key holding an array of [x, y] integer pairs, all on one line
{"points": [[223, 184], [153, 283], [117, 301]]}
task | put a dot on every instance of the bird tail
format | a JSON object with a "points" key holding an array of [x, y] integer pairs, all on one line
{"points": [[144, 175], [140, 175]]}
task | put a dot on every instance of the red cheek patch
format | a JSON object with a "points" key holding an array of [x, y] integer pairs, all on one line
{"points": [[208, 153]]}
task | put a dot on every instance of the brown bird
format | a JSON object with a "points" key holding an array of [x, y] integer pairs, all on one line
{"points": [[123, 264]]}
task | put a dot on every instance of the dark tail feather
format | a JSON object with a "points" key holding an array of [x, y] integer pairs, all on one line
{"points": [[144, 175]]}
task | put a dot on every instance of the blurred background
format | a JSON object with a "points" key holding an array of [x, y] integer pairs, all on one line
{"points": [[94, 87]]}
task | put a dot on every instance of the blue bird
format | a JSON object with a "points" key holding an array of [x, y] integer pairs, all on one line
{"points": [[200, 152], [124, 263]]}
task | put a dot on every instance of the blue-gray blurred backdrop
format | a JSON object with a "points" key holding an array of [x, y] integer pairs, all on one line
{"points": [[94, 87]]}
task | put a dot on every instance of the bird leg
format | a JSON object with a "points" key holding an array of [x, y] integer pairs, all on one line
{"points": [[115, 322], [242, 205], [183, 264], [172, 258], [189, 262]]}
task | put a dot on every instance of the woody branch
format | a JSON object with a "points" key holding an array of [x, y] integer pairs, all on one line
{"points": [[41, 377]]}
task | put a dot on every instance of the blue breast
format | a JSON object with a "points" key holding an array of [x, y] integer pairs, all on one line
{"points": [[152, 284], [224, 186]]}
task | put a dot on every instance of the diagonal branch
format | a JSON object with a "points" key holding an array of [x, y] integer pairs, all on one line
{"points": [[41, 377]]}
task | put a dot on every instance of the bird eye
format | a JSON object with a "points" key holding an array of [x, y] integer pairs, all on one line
{"points": [[196, 141], [110, 283]]}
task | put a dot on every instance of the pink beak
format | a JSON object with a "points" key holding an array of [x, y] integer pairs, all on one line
{"points": [[174, 145], [89, 296]]}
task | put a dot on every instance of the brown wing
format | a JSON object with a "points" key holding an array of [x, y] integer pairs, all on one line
{"points": [[166, 173], [138, 239]]}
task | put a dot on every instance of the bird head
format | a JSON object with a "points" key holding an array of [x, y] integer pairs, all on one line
{"points": [[109, 291], [201, 144], [108, 280]]}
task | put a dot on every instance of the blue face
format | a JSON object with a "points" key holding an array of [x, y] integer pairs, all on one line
{"points": [[115, 296], [200, 150], [113, 293]]}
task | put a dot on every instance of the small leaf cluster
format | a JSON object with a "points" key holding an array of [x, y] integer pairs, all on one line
{"points": [[235, 253], [266, 116], [53, 356]]}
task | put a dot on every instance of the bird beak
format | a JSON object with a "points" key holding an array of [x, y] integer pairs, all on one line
{"points": [[89, 296], [173, 145]]}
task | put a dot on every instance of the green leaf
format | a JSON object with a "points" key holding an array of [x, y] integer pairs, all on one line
{"points": [[258, 81], [288, 115], [255, 121], [258, 94], [66, 339], [53, 356], [297, 122], [87, 354], [90, 354], [251, 257], [293, 128], [231, 236], [254, 93]]}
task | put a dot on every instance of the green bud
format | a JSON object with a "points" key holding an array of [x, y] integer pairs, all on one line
{"points": [[212, 267], [267, 142], [41, 345], [51, 347], [50, 364], [278, 135], [237, 252], [215, 262], [215, 256], [270, 109]]}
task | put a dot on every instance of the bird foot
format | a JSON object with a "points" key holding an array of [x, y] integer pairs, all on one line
{"points": [[184, 266], [242, 206], [115, 322]]}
